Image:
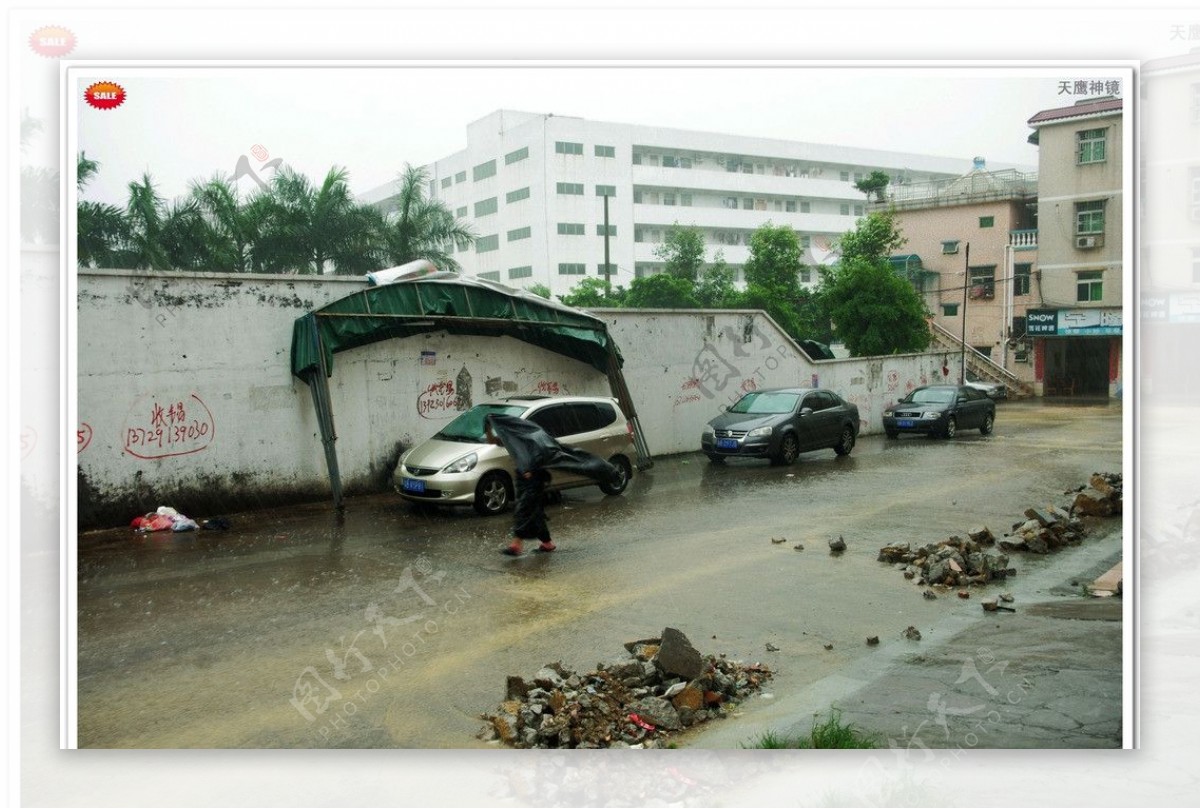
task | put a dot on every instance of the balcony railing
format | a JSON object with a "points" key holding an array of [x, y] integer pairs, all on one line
{"points": [[1023, 239]]}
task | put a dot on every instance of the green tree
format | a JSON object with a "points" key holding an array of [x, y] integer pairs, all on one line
{"points": [[145, 217], [316, 229], [39, 191], [100, 227], [873, 184], [774, 262], [875, 310], [715, 287], [233, 223], [590, 293], [874, 238], [420, 227], [661, 291], [541, 290], [682, 252]]}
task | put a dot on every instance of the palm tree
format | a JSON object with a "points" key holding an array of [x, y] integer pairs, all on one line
{"points": [[144, 218], [420, 227], [39, 192], [232, 224], [100, 227], [313, 230]]}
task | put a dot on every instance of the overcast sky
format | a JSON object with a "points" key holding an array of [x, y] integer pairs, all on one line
{"points": [[186, 124]]}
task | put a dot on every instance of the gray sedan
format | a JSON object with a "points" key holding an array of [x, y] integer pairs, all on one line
{"points": [[940, 410], [780, 423]]}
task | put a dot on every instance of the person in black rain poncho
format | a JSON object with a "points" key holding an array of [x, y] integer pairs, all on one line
{"points": [[534, 452]]}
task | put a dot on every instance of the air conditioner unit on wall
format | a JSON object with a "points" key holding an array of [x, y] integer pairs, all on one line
{"points": [[1085, 242]]}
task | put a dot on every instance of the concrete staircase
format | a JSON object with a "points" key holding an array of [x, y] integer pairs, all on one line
{"points": [[978, 364]]}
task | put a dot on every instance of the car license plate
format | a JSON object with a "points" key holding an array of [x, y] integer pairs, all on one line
{"points": [[904, 423], [414, 486], [727, 443]]}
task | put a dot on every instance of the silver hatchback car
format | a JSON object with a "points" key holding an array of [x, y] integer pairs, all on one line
{"points": [[457, 467]]}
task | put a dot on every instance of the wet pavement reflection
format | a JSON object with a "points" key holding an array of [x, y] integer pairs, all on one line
{"points": [[389, 626]]}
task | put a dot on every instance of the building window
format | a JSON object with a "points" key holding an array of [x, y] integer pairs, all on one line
{"points": [[1089, 217], [949, 309], [668, 199], [748, 204], [461, 212], [483, 171], [606, 151], [805, 242], [518, 195], [1021, 275], [566, 147], [519, 154], [486, 244], [570, 228], [983, 282], [606, 191], [612, 230], [729, 202], [670, 162], [844, 209], [790, 206], [461, 177], [446, 181], [1089, 285], [805, 275], [858, 210], [570, 188], [949, 248], [519, 233], [520, 272], [572, 269], [485, 207], [685, 200], [639, 235], [987, 221], [492, 276], [600, 269], [637, 158], [805, 207], [1091, 146], [845, 176]]}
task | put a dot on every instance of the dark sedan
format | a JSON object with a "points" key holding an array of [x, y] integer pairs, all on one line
{"points": [[780, 423], [941, 410]]}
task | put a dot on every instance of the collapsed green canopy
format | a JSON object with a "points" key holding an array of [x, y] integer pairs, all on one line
{"points": [[446, 301]]}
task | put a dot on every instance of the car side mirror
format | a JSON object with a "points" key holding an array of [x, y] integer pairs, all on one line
{"points": [[806, 411]]}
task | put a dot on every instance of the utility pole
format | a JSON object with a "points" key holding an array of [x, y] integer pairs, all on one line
{"points": [[607, 267], [962, 379]]}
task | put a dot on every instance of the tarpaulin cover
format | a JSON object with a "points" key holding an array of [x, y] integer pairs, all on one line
{"points": [[446, 301], [532, 448]]}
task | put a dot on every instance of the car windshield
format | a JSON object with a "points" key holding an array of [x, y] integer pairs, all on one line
{"points": [[469, 426], [932, 396], [765, 403]]}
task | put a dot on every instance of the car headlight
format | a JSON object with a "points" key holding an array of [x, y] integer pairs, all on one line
{"points": [[707, 431], [931, 414], [463, 464], [887, 414], [758, 432]]}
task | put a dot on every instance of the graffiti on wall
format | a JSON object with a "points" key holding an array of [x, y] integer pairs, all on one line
{"points": [[28, 441], [689, 392], [713, 372], [83, 436], [549, 387], [438, 400], [493, 386], [158, 427]]}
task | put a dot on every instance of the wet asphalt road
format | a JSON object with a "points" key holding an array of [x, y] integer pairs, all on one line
{"points": [[402, 625]]}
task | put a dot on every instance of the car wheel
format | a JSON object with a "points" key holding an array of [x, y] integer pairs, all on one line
{"points": [[951, 427], [624, 472], [989, 421], [847, 443], [493, 493], [789, 450], [891, 433], [716, 458]]}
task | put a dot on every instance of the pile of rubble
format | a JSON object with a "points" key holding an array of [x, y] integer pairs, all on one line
{"points": [[664, 685], [954, 562], [1048, 530]]}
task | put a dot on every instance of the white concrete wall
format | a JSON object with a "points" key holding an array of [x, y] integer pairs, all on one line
{"points": [[186, 396]]}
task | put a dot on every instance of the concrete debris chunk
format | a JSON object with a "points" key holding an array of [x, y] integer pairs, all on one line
{"points": [[676, 656], [837, 545], [598, 710], [912, 633]]}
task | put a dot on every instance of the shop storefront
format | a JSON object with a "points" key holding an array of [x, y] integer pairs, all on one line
{"points": [[1077, 352]]}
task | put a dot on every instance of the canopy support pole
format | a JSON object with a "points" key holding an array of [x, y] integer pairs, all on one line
{"points": [[616, 382], [318, 386]]}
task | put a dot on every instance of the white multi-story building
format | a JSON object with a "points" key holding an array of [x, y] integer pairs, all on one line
{"points": [[533, 188]]}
